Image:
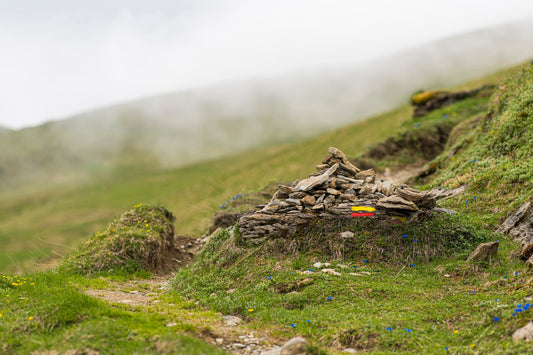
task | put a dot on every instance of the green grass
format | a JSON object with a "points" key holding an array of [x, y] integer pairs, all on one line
{"points": [[47, 311], [39, 227], [142, 239], [57, 221], [493, 154], [424, 286], [432, 299]]}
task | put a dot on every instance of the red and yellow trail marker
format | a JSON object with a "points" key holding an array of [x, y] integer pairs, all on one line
{"points": [[363, 211]]}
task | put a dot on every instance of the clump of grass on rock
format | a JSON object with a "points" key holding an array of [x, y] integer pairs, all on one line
{"points": [[141, 239]]}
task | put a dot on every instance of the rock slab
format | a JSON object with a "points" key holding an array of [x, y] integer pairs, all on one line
{"points": [[519, 226], [484, 251]]}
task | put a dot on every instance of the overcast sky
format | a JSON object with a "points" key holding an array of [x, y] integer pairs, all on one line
{"points": [[61, 57]]}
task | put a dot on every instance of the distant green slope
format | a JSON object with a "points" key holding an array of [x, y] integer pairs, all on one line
{"points": [[44, 225], [186, 127]]}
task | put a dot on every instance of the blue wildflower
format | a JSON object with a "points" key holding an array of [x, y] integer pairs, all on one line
{"points": [[496, 319], [496, 299], [355, 267], [365, 261], [515, 273], [415, 240], [466, 203], [293, 325], [445, 116], [475, 197], [412, 265], [505, 277], [514, 314], [389, 329], [405, 235], [268, 278], [473, 291], [518, 310], [308, 321], [447, 348], [330, 298], [408, 330]]}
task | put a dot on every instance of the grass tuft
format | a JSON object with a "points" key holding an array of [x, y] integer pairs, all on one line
{"points": [[142, 239]]}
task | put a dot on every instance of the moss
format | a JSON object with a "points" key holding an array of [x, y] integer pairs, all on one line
{"points": [[141, 239], [493, 153]]}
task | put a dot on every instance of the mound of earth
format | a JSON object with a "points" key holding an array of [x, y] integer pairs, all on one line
{"points": [[428, 101], [140, 239]]}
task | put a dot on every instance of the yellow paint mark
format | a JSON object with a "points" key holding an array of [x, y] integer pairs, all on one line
{"points": [[363, 208]]}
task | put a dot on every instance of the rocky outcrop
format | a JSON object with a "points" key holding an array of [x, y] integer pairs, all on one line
{"points": [[520, 226], [336, 189]]}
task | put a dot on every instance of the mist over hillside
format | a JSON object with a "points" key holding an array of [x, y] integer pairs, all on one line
{"points": [[184, 127]]}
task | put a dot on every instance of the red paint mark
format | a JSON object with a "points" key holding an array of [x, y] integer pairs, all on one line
{"points": [[363, 214]]}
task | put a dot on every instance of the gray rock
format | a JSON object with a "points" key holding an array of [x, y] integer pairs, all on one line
{"points": [[312, 182], [524, 333], [297, 194], [347, 235], [293, 201], [444, 210], [388, 187], [308, 200], [329, 201], [516, 218], [231, 321], [295, 346], [441, 193], [484, 251], [331, 272], [420, 198], [362, 175], [333, 192], [274, 351], [520, 226], [396, 202]]}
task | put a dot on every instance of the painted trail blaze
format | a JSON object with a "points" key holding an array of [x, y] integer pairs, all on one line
{"points": [[363, 211]]}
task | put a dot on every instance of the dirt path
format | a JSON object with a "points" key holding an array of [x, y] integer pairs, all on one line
{"points": [[226, 332]]}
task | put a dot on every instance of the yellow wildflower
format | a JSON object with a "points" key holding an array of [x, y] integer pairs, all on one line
{"points": [[456, 331], [30, 317]]}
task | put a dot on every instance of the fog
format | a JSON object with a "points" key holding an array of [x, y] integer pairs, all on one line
{"points": [[61, 58]]}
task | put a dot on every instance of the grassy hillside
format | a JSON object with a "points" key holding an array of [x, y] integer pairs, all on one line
{"points": [[181, 128], [412, 304], [44, 225]]}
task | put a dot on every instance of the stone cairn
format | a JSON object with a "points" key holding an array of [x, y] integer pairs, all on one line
{"points": [[336, 190]]}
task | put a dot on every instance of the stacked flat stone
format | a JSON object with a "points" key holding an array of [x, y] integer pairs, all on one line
{"points": [[332, 191]]}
